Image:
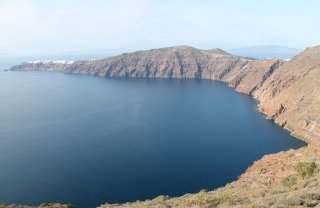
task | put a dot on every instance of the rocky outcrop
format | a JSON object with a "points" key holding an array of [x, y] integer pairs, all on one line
{"points": [[288, 91]]}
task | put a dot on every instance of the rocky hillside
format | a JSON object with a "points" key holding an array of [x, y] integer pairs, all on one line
{"points": [[288, 91], [173, 62], [291, 95], [244, 74]]}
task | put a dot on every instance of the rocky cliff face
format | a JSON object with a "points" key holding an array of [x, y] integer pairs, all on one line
{"points": [[288, 91], [291, 95], [244, 74], [173, 62]]}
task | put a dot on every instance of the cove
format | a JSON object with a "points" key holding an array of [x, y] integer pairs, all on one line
{"points": [[86, 140]]}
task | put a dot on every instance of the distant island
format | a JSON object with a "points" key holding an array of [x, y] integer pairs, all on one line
{"points": [[266, 51], [288, 93]]}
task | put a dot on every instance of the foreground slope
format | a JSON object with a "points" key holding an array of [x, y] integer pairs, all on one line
{"points": [[289, 93], [286, 179]]}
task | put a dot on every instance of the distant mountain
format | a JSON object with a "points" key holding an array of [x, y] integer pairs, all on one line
{"points": [[266, 51]]}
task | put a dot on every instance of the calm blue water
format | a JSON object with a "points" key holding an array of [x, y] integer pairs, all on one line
{"points": [[86, 140]]}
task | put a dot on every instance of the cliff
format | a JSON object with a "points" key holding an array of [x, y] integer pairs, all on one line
{"points": [[288, 92], [291, 95], [244, 74]]}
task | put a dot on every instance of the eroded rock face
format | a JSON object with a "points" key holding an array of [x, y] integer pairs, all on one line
{"points": [[244, 74], [291, 95], [250, 76], [173, 62]]}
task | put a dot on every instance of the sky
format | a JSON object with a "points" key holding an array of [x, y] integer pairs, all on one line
{"points": [[62, 26]]}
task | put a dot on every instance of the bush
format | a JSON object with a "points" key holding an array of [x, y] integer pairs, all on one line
{"points": [[218, 199], [293, 201], [161, 198], [289, 181], [306, 169]]}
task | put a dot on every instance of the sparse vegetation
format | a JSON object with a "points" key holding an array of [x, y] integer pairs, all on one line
{"points": [[161, 198], [306, 169], [290, 181], [293, 201], [218, 199]]}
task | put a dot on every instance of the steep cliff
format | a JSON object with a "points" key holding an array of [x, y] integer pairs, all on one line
{"points": [[291, 95], [244, 74]]}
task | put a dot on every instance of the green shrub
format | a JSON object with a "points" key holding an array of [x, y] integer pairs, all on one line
{"points": [[203, 191], [218, 199], [289, 181], [306, 169], [161, 198]]}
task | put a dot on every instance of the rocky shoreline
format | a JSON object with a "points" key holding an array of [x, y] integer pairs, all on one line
{"points": [[288, 92]]}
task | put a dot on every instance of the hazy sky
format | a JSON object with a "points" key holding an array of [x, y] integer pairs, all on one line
{"points": [[51, 26]]}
